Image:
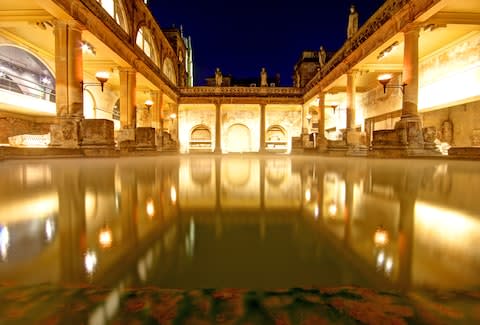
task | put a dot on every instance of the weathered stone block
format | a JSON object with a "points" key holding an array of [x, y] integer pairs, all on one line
{"points": [[125, 135], [145, 137], [97, 132], [356, 137], [65, 134], [385, 137]]}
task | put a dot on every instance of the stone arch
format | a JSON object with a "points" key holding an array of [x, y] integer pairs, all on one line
{"points": [[144, 40], [200, 138], [116, 9], [25, 73], [169, 70], [276, 133], [238, 138]]}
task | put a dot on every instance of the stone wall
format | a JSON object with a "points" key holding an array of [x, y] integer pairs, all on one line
{"points": [[377, 102], [451, 75], [458, 125], [11, 125]]}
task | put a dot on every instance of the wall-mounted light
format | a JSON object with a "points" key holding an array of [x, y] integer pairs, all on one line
{"points": [[148, 104], [333, 106], [102, 77], [384, 79], [88, 48]]}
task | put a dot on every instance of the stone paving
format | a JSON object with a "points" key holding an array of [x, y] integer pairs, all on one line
{"points": [[48, 304]]}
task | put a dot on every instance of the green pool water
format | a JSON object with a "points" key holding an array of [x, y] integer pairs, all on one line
{"points": [[241, 221]]}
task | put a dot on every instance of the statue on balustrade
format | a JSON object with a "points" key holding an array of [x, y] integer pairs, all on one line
{"points": [[352, 22], [218, 78], [322, 56], [263, 78]]}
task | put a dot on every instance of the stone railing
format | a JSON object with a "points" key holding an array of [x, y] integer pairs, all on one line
{"points": [[29, 140], [241, 91], [380, 17]]}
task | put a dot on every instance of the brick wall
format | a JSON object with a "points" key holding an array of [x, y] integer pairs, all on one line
{"points": [[15, 125]]}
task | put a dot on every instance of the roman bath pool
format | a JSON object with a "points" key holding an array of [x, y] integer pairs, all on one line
{"points": [[240, 221]]}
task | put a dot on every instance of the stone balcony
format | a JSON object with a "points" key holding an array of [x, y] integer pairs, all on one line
{"points": [[241, 92]]}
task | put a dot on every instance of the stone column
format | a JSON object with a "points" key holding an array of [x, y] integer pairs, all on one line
{"points": [[410, 125], [355, 139], [157, 115], [128, 98], [262, 128], [351, 92], [218, 126], [410, 73], [175, 123], [321, 141], [68, 86]]}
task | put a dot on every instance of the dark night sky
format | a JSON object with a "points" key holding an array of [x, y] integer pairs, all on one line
{"points": [[240, 37]]}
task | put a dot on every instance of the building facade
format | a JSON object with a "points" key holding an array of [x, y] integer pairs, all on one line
{"points": [[96, 74]]}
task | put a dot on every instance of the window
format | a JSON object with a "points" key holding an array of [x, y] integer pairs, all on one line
{"points": [[145, 42], [116, 11]]}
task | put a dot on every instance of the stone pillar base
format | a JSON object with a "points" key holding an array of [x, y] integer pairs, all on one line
{"points": [[139, 139], [145, 138], [411, 131], [403, 141], [356, 143], [322, 145], [65, 133], [96, 133]]}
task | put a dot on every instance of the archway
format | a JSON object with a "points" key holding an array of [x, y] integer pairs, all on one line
{"points": [[276, 138], [238, 139], [200, 138]]}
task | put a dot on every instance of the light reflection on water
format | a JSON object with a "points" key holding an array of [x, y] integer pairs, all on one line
{"points": [[241, 221]]}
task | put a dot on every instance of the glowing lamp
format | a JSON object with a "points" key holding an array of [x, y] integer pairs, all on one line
{"points": [[381, 237], [148, 104], [105, 237], [332, 209], [102, 77], [150, 208], [385, 79]]}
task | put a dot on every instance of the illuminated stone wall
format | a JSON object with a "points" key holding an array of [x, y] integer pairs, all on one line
{"points": [[464, 118], [236, 118], [192, 115], [451, 75], [289, 117], [13, 124]]}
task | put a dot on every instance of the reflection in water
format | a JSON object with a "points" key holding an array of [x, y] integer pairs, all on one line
{"points": [[234, 221]]}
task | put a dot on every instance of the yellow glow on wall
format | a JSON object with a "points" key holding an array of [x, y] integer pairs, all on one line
{"points": [[27, 104], [453, 88]]}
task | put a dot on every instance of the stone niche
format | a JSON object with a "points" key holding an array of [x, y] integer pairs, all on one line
{"points": [[97, 133]]}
